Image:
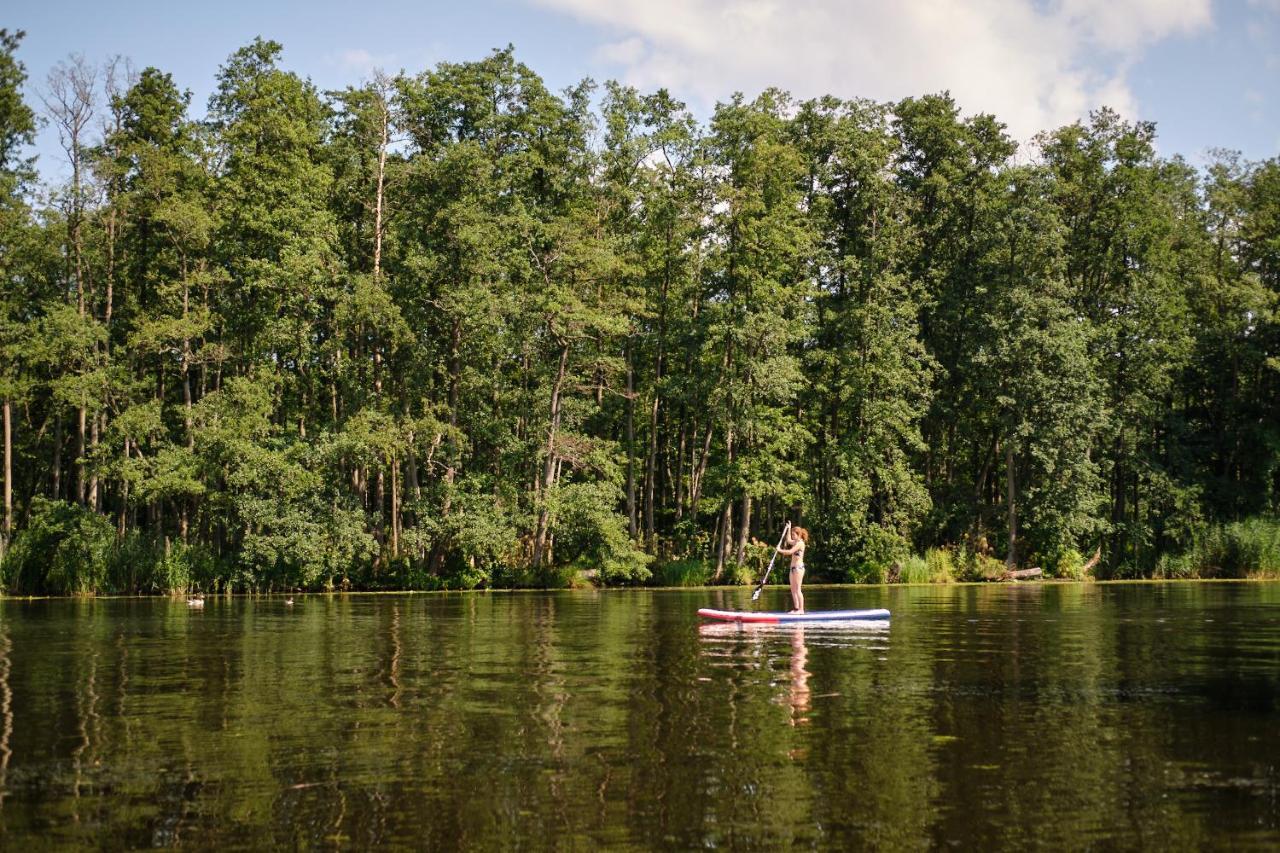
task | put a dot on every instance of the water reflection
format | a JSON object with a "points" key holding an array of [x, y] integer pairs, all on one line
{"points": [[746, 643], [799, 679], [6, 713], [980, 717]]}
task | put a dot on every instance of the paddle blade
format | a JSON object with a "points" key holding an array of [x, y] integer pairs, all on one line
{"points": [[755, 596]]}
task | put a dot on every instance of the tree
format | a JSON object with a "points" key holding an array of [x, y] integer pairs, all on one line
{"points": [[17, 131], [757, 300], [1129, 267], [868, 371], [1038, 380]]}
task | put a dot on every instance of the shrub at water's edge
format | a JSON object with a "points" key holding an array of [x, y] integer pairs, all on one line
{"points": [[687, 572], [1241, 549], [68, 550]]}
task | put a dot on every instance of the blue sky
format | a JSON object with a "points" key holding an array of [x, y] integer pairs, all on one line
{"points": [[1206, 72]]}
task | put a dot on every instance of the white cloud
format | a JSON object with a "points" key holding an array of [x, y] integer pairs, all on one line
{"points": [[1035, 65], [625, 52], [361, 61]]}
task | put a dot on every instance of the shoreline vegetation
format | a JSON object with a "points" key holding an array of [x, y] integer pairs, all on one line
{"points": [[587, 587], [84, 567], [449, 329]]}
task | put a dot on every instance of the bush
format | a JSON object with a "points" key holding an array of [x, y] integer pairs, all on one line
{"points": [[65, 550], [1240, 549], [1064, 564], [913, 569], [980, 567], [744, 576], [1174, 567], [865, 571], [138, 564], [588, 527], [692, 571], [942, 568]]}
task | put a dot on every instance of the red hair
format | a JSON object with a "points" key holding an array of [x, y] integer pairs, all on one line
{"points": [[800, 532]]}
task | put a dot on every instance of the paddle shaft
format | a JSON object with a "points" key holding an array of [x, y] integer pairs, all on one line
{"points": [[776, 549]]}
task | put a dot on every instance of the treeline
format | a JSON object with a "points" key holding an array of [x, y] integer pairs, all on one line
{"points": [[453, 328]]}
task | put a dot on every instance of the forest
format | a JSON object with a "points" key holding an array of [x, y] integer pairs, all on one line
{"points": [[452, 329]]}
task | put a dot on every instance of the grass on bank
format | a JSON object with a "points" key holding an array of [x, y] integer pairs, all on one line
{"points": [[1241, 549]]}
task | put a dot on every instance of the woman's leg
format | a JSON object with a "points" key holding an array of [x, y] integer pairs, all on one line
{"points": [[797, 597]]}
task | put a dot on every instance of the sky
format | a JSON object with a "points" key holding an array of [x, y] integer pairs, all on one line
{"points": [[1206, 71]]}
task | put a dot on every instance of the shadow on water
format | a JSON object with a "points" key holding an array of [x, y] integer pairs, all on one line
{"points": [[980, 716]]}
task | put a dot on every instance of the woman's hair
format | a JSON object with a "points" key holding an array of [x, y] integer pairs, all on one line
{"points": [[801, 533]]}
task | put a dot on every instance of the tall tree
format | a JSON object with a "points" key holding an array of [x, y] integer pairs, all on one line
{"points": [[868, 371], [17, 131], [757, 304], [1127, 216]]}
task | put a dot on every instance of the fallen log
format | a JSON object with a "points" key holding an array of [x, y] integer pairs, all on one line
{"points": [[1024, 574]]}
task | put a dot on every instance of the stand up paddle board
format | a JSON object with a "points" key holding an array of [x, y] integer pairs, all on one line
{"points": [[775, 618]]}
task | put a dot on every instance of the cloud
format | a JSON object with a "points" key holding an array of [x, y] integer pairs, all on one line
{"points": [[360, 61], [625, 52], [1034, 64]]}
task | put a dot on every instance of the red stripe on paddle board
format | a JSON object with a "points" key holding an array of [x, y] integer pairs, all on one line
{"points": [[732, 616]]}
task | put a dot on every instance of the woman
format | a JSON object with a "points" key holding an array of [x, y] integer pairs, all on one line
{"points": [[795, 550]]}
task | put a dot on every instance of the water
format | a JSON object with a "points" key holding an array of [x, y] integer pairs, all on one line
{"points": [[981, 716]]}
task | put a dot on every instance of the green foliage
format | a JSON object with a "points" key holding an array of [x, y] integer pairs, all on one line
{"points": [[589, 528], [1242, 549], [692, 571], [17, 120], [865, 571], [64, 550], [454, 329], [973, 566], [1068, 563], [914, 569], [941, 567], [871, 558]]}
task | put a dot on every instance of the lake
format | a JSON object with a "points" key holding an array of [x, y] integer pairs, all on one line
{"points": [[1115, 715]]}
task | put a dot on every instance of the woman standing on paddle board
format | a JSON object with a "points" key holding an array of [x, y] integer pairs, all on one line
{"points": [[795, 550]]}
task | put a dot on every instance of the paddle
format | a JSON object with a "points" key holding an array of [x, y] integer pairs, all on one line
{"points": [[756, 595]]}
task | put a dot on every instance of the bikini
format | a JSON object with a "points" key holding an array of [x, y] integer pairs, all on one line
{"points": [[800, 568]]}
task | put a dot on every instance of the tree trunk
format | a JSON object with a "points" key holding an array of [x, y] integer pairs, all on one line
{"points": [[8, 477], [455, 383], [380, 501], [412, 463], [124, 495], [91, 499], [385, 129], [744, 531], [81, 484], [680, 493], [699, 474], [549, 466], [722, 541], [726, 517], [395, 507], [1009, 461], [651, 468], [631, 450], [186, 367], [56, 485], [659, 359]]}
